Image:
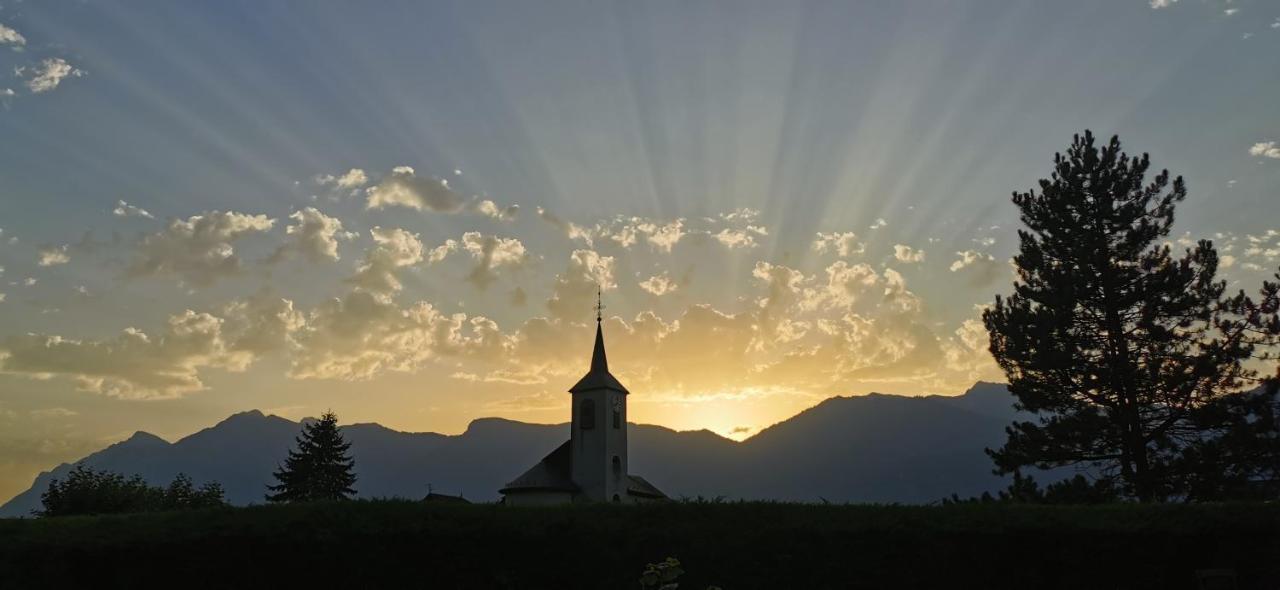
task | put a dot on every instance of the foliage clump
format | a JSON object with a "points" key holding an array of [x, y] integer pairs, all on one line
{"points": [[89, 491]]}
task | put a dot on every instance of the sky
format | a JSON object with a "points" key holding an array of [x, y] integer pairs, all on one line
{"points": [[401, 211]]}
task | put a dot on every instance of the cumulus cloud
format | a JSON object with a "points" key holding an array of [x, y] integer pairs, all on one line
{"points": [[53, 255], [124, 209], [352, 179], [11, 38], [879, 223], [1265, 149], [136, 365], [199, 249], [490, 209], [843, 244], [1158, 4], [393, 249], [312, 234], [659, 284], [48, 74], [662, 236], [907, 254], [739, 238], [491, 253], [364, 334], [969, 258], [982, 268], [404, 188], [133, 365], [571, 230], [574, 291]]}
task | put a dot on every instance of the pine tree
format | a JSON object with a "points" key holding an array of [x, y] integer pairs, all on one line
{"points": [[320, 468], [1118, 347]]}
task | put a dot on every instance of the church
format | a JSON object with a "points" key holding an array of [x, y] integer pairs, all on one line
{"points": [[592, 465]]}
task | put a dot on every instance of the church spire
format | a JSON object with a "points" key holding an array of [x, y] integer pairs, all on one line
{"points": [[599, 377], [599, 362]]}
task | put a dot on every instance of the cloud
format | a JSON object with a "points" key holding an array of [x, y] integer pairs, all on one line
{"points": [[136, 365], [53, 413], [1158, 4], [490, 209], [969, 258], [49, 74], [364, 334], [1227, 261], [907, 254], [659, 284], [312, 234], [403, 188], [352, 179], [739, 238], [574, 291], [197, 249], [132, 365], [662, 236], [571, 230], [879, 223], [844, 244], [982, 267], [11, 38], [1265, 149], [393, 249], [53, 255], [124, 209], [491, 253]]}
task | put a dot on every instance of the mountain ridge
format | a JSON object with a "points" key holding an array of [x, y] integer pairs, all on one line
{"points": [[865, 448]]}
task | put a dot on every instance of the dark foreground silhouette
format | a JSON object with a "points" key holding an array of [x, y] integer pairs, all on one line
{"points": [[736, 546]]}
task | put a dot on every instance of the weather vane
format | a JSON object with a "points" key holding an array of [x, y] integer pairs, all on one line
{"points": [[599, 304]]}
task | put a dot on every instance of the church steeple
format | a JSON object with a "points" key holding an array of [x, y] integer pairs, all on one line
{"points": [[598, 377], [599, 362]]}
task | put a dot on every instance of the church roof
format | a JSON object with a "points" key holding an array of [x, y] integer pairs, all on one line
{"points": [[639, 486], [599, 376], [553, 472]]}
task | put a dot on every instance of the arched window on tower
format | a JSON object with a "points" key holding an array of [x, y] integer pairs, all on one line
{"points": [[617, 419], [587, 414], [617, 465]]}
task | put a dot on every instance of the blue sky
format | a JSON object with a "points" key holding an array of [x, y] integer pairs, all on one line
{"points": [[707, 162]]}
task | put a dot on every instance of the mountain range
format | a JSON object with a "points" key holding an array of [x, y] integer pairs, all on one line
{"points": [[867, 448]]}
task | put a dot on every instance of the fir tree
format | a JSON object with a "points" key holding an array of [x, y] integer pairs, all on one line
{"points": [[320, 468], [1123, 351]]}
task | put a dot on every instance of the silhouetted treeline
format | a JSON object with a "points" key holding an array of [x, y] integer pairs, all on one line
{"points": [[737, 546], [88, 491], [1135, 360]]}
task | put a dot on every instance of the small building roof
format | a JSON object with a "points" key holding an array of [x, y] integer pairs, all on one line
{"points": [[552, 473], [641, 487], [434, 498]]}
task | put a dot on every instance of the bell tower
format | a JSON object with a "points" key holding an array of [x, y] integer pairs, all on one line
{"points": [[599, 436]]}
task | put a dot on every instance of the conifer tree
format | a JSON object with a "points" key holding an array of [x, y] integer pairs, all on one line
{"points": [[320, 468], [1124, 352]]}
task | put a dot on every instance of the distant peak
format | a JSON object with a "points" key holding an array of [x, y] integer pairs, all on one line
{"points": [[144, 438]]}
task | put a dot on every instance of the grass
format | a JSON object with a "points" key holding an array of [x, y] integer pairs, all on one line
{"points": [[733, 545]]}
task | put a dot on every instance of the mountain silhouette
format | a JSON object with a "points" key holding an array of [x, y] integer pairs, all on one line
{"points": [[869, 448]]}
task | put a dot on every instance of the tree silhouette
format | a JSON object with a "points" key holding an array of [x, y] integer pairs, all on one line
{"points": [[320, 468], [1124, 352]]}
